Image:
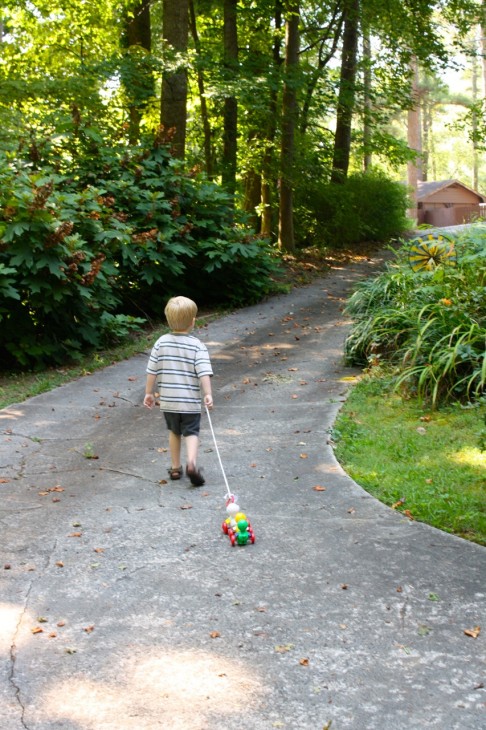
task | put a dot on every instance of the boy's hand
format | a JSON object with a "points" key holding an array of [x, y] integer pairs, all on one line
{"points": [[208, 401], [149, 400]]}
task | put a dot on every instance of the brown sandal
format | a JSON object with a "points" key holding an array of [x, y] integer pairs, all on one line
{"points": [[195, 475], [175, 472]]}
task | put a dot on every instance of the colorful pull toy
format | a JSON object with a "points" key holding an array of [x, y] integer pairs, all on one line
{"points": [[236, 525]]}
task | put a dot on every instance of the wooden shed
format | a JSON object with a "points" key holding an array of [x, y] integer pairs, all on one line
{"points": [[448, 203]]}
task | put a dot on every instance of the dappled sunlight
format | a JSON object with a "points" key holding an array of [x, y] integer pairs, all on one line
{"points": [[9, 414], [328, 468], [10, 616], [176, 689], [469, 456]]}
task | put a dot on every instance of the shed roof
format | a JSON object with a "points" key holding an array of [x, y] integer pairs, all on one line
{"points": [[426, 189]]}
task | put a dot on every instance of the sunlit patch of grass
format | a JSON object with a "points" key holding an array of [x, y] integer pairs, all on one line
{"points": [[470, 455], [427, 463]]}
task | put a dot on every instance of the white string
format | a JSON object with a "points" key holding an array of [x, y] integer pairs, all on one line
{"points": [[217, 451]]}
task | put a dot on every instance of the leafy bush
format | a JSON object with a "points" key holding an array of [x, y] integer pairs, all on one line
{"points": [[367, 207], [91, 240], [429, 325]]}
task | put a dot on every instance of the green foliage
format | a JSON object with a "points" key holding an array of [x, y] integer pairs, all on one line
{"points": [[367, 207], [430, 325], [98, 234]]}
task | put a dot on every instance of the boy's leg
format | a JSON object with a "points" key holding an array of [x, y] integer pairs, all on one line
{"points": [[194, 474], [192, 446], [175, 449]]}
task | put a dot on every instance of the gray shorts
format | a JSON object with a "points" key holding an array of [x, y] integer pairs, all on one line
{"points": [[183, 424]]}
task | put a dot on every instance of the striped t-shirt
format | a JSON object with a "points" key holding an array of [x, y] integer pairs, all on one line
{"points": [[178, 361]]}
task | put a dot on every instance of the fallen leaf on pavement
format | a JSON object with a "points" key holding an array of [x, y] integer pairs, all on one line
{"points": [[215, 634], [304, 456], [186, 506], [318, 488], [474, 633], [282, 649], [88, 629], [75, 534], [37, 630], [304, 662]]}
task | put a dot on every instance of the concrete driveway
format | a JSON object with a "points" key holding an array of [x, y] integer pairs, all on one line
{"points": [[124, 607]]}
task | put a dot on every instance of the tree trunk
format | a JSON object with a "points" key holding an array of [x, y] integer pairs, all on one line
{"points": [[139, 86], [173, 108], [414, 141], [286, 240], [347, 90], [208, 155], [268, 177], [367, 158], [230, 113]]}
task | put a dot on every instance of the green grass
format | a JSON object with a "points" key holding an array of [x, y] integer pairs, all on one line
{"points": [[429, 463]]}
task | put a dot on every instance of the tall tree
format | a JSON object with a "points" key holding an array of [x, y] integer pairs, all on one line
{"points": [[208, 154], [137, 73], [173, 107], [286, 239], [347, 92], [230, 114]]}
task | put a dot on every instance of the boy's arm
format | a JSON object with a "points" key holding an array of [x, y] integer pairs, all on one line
{"points": [[205, 381], [149, 400]]}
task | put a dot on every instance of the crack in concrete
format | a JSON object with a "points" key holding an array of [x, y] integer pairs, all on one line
{"points": [[13, 659]]}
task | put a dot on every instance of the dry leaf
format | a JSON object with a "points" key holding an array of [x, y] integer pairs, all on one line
{"points": [[7, 566], [408, 514], [304, 456], [215, 634], [351, 511], [318, 488], [282, 649], [304, 662], [132, 378], [75, 534], [399, 503], [61, 623], [4, 481], [52, 635], [344, 586], [186, 506], [88, 629], [37, 630], [474, 633], [60, 564], [99, 550], [294, 397]]}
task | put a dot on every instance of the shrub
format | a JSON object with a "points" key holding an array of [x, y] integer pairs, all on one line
{"points": [[429, 325], [89, 242], [367, 207]]}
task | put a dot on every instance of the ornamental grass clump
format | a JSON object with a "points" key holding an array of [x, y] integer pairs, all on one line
{"points": [[428, 325]]}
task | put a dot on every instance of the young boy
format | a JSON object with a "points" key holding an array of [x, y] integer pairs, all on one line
{"points": [[180, 367]]}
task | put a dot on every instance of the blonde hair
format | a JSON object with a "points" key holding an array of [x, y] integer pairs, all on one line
{"points": [[180, 313]]}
